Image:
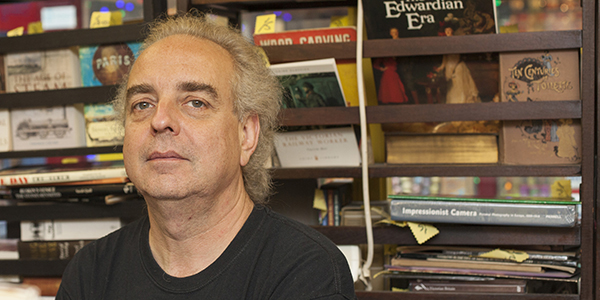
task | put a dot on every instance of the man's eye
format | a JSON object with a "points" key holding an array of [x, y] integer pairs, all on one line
{"points": [[142, 105], [196, 103]]}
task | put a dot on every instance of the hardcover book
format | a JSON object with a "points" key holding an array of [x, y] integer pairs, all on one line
{"points": [[440, 148], [101, 127], [68, 229], [515, 212], [48, 128], [5, 132], [64, 192], [307, 36], [318, 148], [541, 142], [42, 70], [540, 76], [416, 18], [479, 286], [312, 83], [450, 78], [49, 250], [2, 75], [52, 174], [107, 63]]}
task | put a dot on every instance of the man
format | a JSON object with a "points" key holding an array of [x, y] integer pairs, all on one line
{"points": [[312, 98], [199, 110]]}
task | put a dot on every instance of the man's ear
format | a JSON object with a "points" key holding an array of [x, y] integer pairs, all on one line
{"points": [[249, 138]]}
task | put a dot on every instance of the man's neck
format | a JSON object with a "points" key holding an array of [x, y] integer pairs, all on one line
{"points": [[187, 236]]}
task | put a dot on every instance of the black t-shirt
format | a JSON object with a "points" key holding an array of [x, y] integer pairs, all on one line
{"points": [[272, 257]]}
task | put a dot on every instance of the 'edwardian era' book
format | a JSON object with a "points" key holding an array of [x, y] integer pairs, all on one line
{"points": [[539, 76], [101, 127], [450, 78], [541, 142], [42, 70], [416, 18], [441, 148], [48, 128], [516, 212], [106, 64]]}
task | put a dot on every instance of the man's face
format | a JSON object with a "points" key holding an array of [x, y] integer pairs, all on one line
{"points": [[181, 135]]}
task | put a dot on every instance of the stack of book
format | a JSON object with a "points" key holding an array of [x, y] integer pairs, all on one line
{"points": [[473, 269]]}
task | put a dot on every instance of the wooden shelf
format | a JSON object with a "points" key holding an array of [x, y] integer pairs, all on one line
{"points": [[454, 234], [380, 295], [33, 267], [95, 94], [43, 211], [68, 38]]}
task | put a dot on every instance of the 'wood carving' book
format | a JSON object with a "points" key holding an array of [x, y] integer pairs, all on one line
{"points": [[42, 70], [541, 142], [540, 76], [106, 64], [101, 127], [48, 128], [307, 36], [441, 148], [411, 18]]}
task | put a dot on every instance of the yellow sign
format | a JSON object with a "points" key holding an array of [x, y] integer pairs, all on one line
{"points": [[105, 19], [35, 27], [339, 21], [116, 18], [518, 256], [15, 32], [422, 232], [265, 24], [561, 189]]}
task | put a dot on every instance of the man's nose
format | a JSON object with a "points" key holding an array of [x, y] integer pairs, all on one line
{"points": [[166, 118]]}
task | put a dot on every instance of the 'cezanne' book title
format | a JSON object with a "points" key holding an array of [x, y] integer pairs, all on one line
{"points": [[414, 18]]}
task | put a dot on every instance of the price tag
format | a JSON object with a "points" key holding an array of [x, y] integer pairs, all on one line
{"points": [[116, 18], [339, 21], [35, 27], [265, 24], [100, 19], [422, 232], [15, 32], [561, 189], [518, 256]]}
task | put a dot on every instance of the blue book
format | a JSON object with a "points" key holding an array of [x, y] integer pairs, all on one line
{"points": [[106, 64]]}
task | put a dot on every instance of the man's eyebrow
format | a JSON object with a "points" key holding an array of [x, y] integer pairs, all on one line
{"points": [[193, 86], [138, 89]]}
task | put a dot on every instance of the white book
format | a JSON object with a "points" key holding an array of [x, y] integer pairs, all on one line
{"points": [[68, 229], [332, 147], [48, 128], [5, 133], [42, 70]]}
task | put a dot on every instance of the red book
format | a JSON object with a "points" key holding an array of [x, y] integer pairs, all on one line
{"points": [[307, 36]]}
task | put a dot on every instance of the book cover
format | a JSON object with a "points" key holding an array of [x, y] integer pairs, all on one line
{"points": [[48, 128], [539, 75], [318, 148], [2, 75], [541, 142], [458, 286], [412, 18], [450, 78], [441, 148], [484, 213], [50, 250], [106, 64], [312, 83], [68, 229], [5, 132], [9, 249], [307, 36], [101, 127], [49, 174], [42, 70]]}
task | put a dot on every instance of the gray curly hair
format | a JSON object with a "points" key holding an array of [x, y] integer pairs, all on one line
{"points": [[254, 88]]}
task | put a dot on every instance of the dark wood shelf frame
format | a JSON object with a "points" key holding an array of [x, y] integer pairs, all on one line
{"points": [[43, 211], [378, 295]]}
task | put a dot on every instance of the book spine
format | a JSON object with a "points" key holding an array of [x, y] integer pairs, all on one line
{"points": [[484, 213], [71, 191], [450, 287], [50, 250], [68, 229], [48, 286], [330, 208], [56, 177]]}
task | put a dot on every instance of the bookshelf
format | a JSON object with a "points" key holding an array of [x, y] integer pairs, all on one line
{"points": [[584, 236]]}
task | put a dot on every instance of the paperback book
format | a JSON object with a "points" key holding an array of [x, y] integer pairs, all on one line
{"points": [[484, 211], [42, 70], [540, 75], [51, 174], [68, 229], [48, 128], [412, 18], [106, 64]]}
